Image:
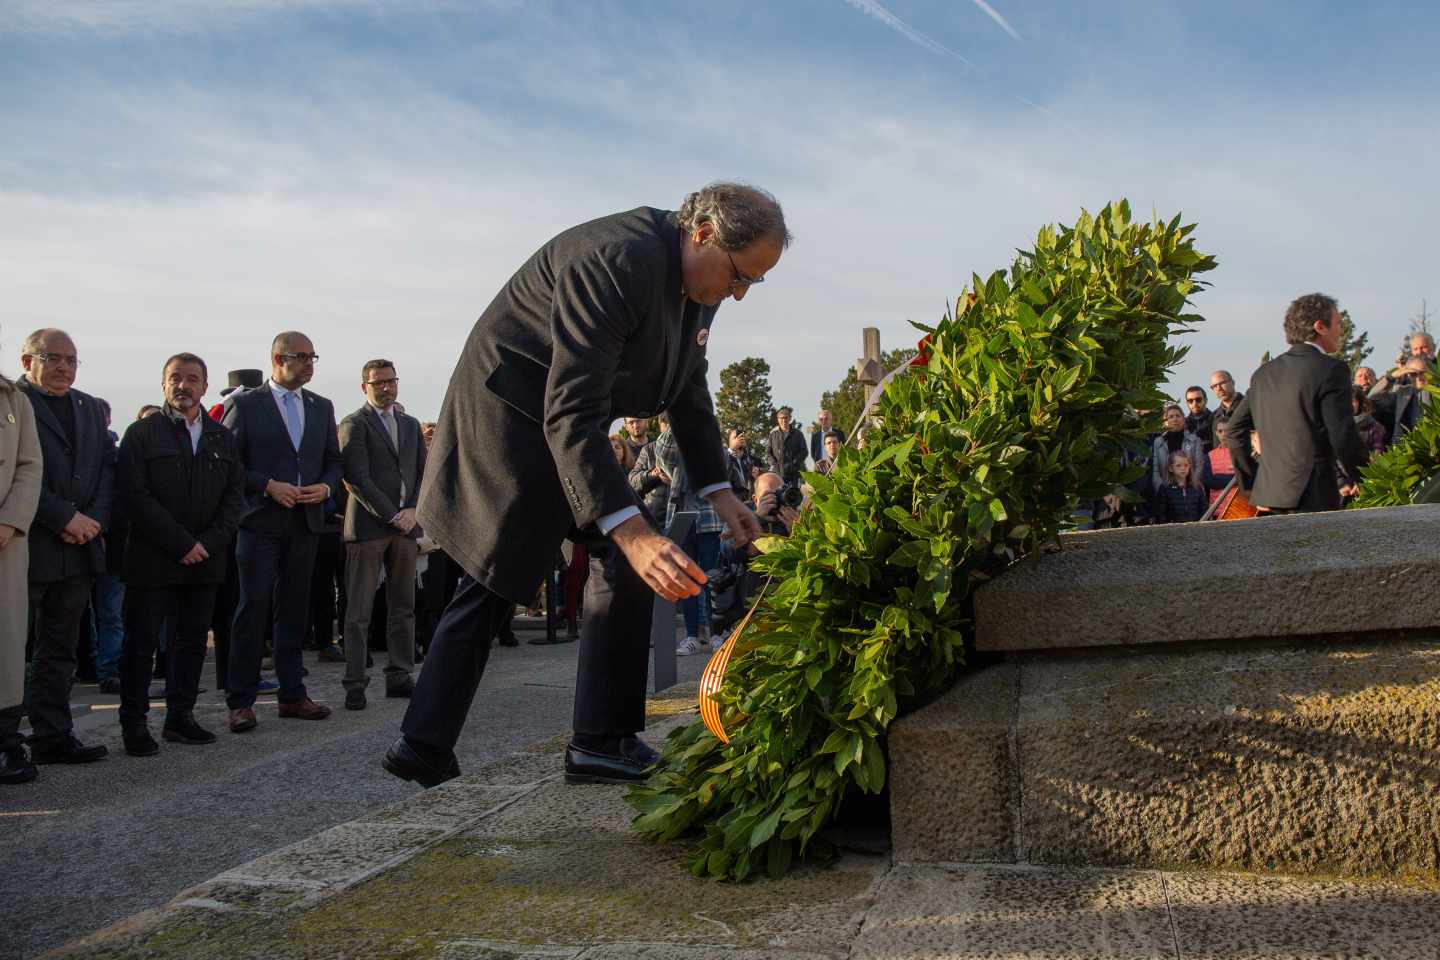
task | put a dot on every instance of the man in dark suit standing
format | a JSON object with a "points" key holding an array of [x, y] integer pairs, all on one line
{"points": [[180, 483], [1300, 405], [824, 426], [66, 551], [287, 442], [610, 318], [786, 446], [384, 463]]}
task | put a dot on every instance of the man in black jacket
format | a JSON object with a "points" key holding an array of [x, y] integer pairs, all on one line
{"points": [[287, 442], [66, 550], [1300, 405], [180, 482], [610, 318], [786, 445]]}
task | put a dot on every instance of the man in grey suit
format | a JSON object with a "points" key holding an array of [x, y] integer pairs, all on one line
{"points": [[1300, 405], [66, 551], [384, 463], [608, 319]]}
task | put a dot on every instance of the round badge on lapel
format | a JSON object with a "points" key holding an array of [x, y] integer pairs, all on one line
{"points": [[702, 336]]}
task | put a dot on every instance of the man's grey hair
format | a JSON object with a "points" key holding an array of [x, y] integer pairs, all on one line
{"points": [[740, 215], [35, 343], [1424, 336]]}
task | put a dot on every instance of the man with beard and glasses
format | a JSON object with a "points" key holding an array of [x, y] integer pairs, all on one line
{"points": [[181, 484]]}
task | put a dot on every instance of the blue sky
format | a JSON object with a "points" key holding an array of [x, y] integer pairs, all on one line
{"points": [[198, 174]]}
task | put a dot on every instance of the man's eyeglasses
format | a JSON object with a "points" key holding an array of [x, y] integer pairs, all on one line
{"points": [[392, 381], [59, 359], [302, 357], [1194, 399], [740, 279], [1220, 383]]}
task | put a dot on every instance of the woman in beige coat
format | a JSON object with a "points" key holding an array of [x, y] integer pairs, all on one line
{"points": [[20, 469]]}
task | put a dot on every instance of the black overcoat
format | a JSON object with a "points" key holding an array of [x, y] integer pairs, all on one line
{"points": [[77, 478], [175, 498], [594, 326], [1300, 404]]}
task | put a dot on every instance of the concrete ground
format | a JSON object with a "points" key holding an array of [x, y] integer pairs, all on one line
{"points": [[83, 847], [509, 862]]}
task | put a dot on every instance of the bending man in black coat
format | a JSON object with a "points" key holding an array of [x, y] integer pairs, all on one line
{"points": [[1299, 403], [608, 319]]}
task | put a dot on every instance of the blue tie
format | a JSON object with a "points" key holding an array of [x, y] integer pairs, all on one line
{"points": [[292, 419]]}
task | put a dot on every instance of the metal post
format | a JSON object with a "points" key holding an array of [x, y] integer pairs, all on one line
{"points": [[662, 621]]}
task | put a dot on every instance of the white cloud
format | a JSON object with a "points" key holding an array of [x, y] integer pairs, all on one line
{"points": [[994, 14], [879, 11], [180, 16], [381, 213]]}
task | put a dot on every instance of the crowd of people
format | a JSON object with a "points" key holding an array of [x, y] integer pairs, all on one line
{"points": [[304, 528], [267, 524], [1190, 465]]}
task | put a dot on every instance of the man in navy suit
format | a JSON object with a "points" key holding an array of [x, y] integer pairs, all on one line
{"points": [[288, 445]]}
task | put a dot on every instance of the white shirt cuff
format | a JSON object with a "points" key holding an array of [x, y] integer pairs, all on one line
{"points": [[612, 520], [713, 488]]}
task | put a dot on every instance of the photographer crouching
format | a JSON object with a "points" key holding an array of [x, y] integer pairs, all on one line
{"points": [[777, 505]]}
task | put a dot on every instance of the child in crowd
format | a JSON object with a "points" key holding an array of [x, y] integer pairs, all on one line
{"points": [[1183, 498]]}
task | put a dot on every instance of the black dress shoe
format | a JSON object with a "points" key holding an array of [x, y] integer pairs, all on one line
{"points": [[403, 761], [508, 639], [15, 766], [68, 750], [110, 685], [184, 729], [354, 699], [405, 690], [630, 763], [139, 742]]}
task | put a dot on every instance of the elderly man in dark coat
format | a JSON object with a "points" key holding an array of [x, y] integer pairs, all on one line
{"points": [[608, 319], [66, 551]]}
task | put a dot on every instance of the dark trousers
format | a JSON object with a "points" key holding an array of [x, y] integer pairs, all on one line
{"points": [[222, 621], [613, 657], [327, 591], [275, 571], [188, 608], [55, 612]]}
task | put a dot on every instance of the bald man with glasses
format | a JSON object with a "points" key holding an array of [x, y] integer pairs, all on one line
{"points": [[1223, 386]]}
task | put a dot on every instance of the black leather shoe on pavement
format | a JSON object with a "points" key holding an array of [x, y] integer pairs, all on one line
{"points": [[331, 653], [406, 689], [138, 741], [68, 750], [354, 699], [15, 766], [402, 761], [184, 729], [630, 764]]}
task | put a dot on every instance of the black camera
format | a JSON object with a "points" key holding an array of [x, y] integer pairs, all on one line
{"points": [[789, 495]]}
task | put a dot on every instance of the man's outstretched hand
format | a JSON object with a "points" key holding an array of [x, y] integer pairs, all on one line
{"points": [[742, 524], [658, 560]]}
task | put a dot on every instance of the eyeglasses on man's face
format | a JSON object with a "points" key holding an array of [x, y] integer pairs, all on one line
{"points": [[1194, 399], [1216, 385], [58, 359], [302, 357], [740, 279], [389, 382]]}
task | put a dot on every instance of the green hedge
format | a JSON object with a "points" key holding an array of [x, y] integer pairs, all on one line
{"points": [[1022, 405]]}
